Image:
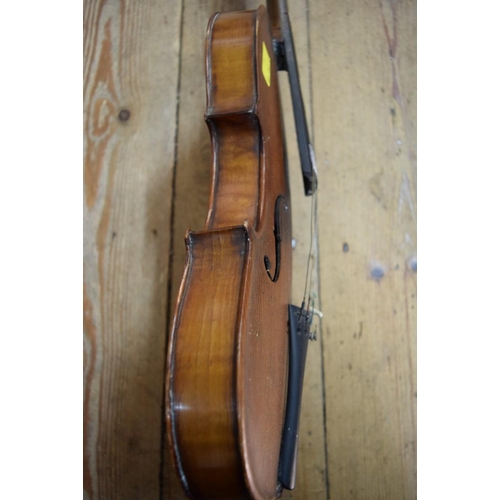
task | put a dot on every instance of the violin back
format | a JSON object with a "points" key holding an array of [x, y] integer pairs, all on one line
{"points": [[228, 351]]}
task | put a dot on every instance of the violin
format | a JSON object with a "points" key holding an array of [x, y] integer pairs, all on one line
{"points": [[237, 347]]}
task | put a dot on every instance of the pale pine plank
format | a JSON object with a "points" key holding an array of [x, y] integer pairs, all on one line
{"points": [[364, 114], [130, 62]]}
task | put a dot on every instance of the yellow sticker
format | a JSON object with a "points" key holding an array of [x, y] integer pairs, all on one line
{"points": [[266, 65]]}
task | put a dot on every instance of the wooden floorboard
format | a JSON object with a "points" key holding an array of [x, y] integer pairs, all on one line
{"points": [[363, 62], [147, 179], [130, 83]]}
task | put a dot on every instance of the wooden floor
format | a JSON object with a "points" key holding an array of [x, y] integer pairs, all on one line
{"points": [[146, 179]]}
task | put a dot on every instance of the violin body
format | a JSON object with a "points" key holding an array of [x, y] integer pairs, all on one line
{"points": [[228, 351]]}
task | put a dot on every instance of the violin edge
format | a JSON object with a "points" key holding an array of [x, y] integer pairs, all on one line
{"points": [[202, 403], [254, 434]]}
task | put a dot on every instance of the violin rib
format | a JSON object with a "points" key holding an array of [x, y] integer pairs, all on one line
{"points": [[228, 350]]}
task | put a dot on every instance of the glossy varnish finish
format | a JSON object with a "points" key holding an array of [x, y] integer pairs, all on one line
{"points": [[202, 367], [226, 382]]}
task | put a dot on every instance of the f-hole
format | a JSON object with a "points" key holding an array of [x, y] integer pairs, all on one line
{"points": [[277, 241]]}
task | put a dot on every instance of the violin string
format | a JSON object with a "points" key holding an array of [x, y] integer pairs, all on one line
{"points": [[309, 253], [312, 255], [315, 259], [314, 277]]}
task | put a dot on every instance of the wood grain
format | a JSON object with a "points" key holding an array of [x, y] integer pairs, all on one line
{"points": [[130, 80], [192, 190], [360, 58], [363, 62], [227, 361], [193, 162]]}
